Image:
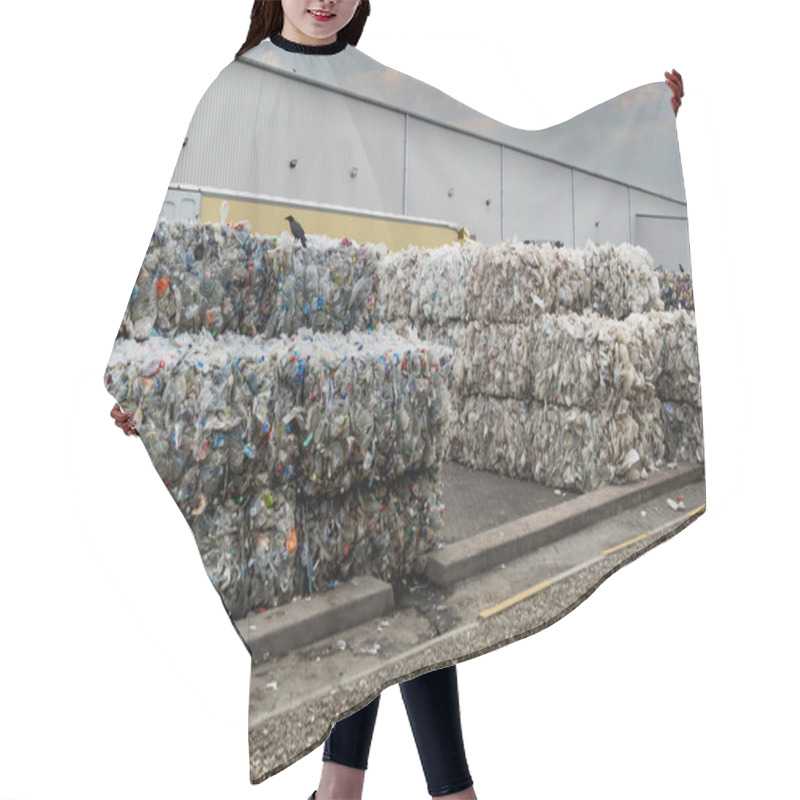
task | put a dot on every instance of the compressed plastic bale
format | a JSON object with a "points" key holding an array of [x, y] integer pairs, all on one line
{"points": [[566, 279], [506, 282], [492, 434], [248, 547], [397, 277], [591, 361], [677, 289], [622, 279], [322, 412], [438, 294], [425, 284], [683, 431], [384, 530], [374, 407], [679, 374], [581, 450], [497, 359], [200, 276], [568, 448], [272, 577]]}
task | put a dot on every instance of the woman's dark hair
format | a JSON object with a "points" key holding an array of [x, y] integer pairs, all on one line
{"points": [[266, 18]]}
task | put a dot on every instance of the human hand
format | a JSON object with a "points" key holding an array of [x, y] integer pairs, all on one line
{"points": [[124, 420], [675, 82]]}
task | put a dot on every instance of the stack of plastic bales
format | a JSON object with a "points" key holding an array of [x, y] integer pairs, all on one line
{"points": [[559, 362], [298, 460]]}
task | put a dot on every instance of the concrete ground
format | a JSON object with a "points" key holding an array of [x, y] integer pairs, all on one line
{"points": [[297, 692]]}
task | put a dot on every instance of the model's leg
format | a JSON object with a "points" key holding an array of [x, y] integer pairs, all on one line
{"points": [[345, 755], [432, 704]]}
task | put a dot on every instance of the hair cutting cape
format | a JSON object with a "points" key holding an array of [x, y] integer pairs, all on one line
{"points": [[418, 381]]}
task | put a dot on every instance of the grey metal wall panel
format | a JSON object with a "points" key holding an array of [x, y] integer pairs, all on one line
{"points": [[601, 211], [253, 122], [440, 159], [537, 198], [666, 239], [671, 242]]}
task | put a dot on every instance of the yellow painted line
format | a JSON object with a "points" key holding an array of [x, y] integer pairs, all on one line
{"points": [[622, 545], [526, 593], [507, 603]]}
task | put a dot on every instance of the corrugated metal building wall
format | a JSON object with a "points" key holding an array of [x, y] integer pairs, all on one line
{"points": [[267, 137]]}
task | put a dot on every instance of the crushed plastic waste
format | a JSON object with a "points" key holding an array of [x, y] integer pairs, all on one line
{"points": [[508, 281], [299, 402], [281, 452], [677, 290], [550, 330], [201, 276]]}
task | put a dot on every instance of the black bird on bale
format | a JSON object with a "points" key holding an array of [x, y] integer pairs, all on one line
{"points": [[297, 230]]}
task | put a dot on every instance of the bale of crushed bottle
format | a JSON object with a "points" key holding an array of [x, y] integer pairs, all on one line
{"points": [[384, 530], [202, 276], [511, 282], [497, 359], [677, 290], [507, 282], [263, 550], [679, 372], [321, 411], [594, 362], [683, 431], [622, 279], [374, 406], [493, 434], [248, 547], [567, 448], [224, 419], [425, 284], [582, 450]]}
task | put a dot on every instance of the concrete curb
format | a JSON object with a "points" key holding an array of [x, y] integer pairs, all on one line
{"points": [[296, 624], [282, 629], [468, 557]]}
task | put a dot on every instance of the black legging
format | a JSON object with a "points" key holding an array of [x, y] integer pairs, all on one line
{"points": [[431, 701]]}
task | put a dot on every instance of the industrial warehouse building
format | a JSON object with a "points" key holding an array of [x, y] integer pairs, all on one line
{"points": [[351, 148]]}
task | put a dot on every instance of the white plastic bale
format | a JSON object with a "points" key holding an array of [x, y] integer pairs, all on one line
{"points": [[593, 362], [622, 279], [250, 558], [425, 284], [493, 434], [507, 282], [497, 359], [683, 431], [568, 448], [679, 374], [582, 450]]}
